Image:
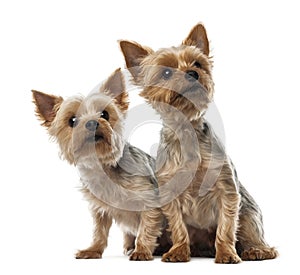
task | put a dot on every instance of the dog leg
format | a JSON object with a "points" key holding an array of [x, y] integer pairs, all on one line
{"points": [[148, 232], [251, 233], [180, 251], [102, 225], [227, 225]]}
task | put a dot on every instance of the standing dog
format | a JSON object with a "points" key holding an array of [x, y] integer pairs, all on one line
{"points": [[118, 179], [199, 188]]}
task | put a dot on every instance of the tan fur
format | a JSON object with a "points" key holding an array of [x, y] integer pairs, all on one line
{"points": [[199, 188], [117, 178]]}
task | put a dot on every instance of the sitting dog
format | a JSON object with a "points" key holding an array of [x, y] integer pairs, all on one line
{"points": [[117, 178], [200, 193]]}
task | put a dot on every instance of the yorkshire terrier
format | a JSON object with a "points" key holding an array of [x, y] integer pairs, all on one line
{"points": [[204, 202], [118, 179]]}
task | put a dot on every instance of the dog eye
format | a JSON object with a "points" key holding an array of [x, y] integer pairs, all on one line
{"points": [[73, 121], [197, 65], [167, 73], [105, 115]]}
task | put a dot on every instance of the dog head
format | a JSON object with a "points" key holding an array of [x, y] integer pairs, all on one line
{"points": [[86, 127], [177, 76]]}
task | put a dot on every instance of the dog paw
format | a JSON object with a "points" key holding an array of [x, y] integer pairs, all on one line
{"points": [[178, 254], [86, 254], [140, 256], [227, 258], [257, 254]]}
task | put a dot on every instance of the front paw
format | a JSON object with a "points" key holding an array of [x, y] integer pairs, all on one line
{"points": [[88, 254], [178, 254], [140, 256], [227, 258]]}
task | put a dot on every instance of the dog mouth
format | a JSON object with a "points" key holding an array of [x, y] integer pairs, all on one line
{"points": [[191, 92], [196, 88], [92, 142], [94, 138], [197, 95]]}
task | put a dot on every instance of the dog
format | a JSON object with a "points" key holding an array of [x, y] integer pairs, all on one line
{"points": [[117, 178], [200, 194]]}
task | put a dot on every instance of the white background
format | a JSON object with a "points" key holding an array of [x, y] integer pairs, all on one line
{"points": [[68, 47]]}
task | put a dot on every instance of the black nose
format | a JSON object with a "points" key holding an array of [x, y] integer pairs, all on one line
{"points": [[92, 125], [191, 75]]}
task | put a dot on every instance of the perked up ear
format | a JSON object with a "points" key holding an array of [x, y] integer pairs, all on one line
{"points": [[114, 86], [46, 106], [198, 38], [134, 53]]}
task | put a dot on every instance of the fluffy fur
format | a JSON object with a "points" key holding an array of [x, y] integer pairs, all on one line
{"points": [[207, 208], [117, 178]]}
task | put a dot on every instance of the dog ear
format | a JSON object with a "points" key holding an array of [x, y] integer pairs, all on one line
{"points": [[114, 86], [133, 53], [198, 37], [46, 106]]}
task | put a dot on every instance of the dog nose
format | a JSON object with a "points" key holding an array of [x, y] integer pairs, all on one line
{"points": [[191, 75], [92, 125]]}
